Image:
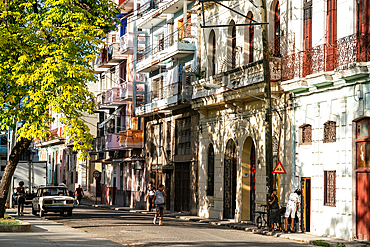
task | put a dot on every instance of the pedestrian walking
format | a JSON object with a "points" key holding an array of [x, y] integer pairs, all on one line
{"points": [[150, 195], [21, 193], [158, 201], [79, 193], [273, 201], [292, 208]]}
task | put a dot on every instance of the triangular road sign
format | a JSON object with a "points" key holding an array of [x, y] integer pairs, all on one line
{"points": [[279, 169]]}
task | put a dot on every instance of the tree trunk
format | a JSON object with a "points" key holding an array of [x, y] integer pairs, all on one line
{"points": [[20, 147]]}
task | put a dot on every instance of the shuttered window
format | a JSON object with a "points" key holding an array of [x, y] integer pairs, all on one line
{"points": [[307, 24], [329, 188]]}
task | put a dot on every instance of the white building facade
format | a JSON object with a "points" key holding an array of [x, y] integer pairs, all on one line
{"points": [[328, 75]]}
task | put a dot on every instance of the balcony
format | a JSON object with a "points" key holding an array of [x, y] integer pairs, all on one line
{"points": [[126, 91], [109, 56], [112, 142], [100, 100], [165, 97], [100, 144], [129, 139], [127, 43], [152, 11], [247, 79], [172, 46], [317, 65], [113, 96]]}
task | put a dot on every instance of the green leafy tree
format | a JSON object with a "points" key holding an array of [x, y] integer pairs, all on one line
{"points": [[46, 49]]}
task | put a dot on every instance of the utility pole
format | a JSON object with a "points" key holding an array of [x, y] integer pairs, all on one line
{"points": [[267, 91]]}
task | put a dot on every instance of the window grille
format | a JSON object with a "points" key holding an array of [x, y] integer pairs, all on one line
{"points": [[210, 171], [330, 132], [329, 188], [183, 136], [306, 134]]}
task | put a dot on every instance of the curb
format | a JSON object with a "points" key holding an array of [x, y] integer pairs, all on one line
{"points": [[245, 227], [24, 227]]}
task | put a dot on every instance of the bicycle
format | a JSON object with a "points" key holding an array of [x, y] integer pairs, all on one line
{"points": [[261, 220]]}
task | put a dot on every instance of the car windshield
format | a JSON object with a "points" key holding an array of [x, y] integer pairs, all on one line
{"points": [[54, 192]]}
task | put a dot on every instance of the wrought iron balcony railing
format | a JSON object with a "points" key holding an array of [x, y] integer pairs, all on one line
{"points": [[327, 57]]}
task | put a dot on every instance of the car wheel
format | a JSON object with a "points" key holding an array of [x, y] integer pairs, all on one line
{"points": [[69, 213], [33, 210], [42, 213]]}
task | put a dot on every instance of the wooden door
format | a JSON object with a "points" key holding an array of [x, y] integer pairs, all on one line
{"points": [[306, 204], [230, 181], [182, 186], [253, 183], [362, 206]]}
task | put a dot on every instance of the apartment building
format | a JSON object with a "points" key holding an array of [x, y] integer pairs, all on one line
{"points": [[118, 154], [231, 142], [327, 74], [168, 62]]}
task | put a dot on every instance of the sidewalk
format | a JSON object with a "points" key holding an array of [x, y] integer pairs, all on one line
{"points": [[48, 233], [246, 226]]}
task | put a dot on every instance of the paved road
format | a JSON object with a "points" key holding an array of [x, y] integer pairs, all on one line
{"points": [[47, 233], [136, 229]]}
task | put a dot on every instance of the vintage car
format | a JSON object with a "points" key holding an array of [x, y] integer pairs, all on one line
{"points": [[52, 199]]}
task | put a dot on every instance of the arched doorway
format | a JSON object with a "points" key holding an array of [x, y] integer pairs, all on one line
{"points": [[230, 181], [248, 180]]}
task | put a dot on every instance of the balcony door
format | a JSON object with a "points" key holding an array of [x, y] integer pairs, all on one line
{"points": [[363, 180], [307, 37], [331, 34], [363, 30]]}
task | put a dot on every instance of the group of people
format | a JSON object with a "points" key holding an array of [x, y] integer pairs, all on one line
{"points": [[290, 211]]}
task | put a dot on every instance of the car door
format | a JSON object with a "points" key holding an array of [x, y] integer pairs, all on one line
{"points": [[35, 200]]}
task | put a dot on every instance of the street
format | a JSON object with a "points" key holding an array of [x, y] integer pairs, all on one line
{"points": [[137, 229]]}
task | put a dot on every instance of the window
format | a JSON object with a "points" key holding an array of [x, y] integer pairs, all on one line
{"points": [[213, 54], [307, 24], [331, 15], [251, 40], [363, 17], [233, 48], [330, 132], [329, 188], [277, 31], [160, 42], [331, 34], [363, 144], [183, 136], [210, 171], [306, 134], [157, 88]]}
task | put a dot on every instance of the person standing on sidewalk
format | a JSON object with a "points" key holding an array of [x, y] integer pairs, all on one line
{"points": [[274, 209], [21, 193], [292, 208], [158, 201], [150, 195], [79, 193]]}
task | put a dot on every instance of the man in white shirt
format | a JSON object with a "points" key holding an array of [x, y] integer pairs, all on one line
{"points": [[292, 208]]}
